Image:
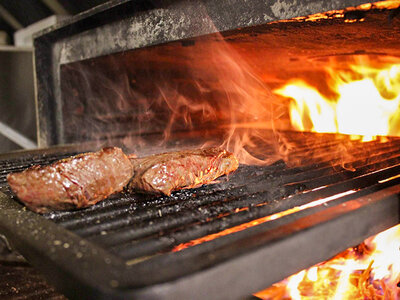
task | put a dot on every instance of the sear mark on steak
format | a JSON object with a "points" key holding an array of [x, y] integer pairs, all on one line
{"points": [[167, 172], [74, 182]]}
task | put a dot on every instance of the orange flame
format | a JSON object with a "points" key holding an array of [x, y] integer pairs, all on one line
{"points": [[369, 271], [338, 14], [364, 101]]}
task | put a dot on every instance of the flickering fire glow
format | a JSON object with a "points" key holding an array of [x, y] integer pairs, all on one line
{"points": [[364, 100], [368, 271], [336, 14]]}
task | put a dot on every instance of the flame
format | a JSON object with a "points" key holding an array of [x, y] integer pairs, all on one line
{"points": [[226, 97], [340, 14], [369, 271], [363, 101], [205, 91]]}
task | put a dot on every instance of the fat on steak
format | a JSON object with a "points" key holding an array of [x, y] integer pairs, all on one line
{"points": [[167, 172], [74, 182]]}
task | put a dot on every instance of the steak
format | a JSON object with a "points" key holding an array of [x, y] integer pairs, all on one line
{"points": [[74, 182], [167, 172]]}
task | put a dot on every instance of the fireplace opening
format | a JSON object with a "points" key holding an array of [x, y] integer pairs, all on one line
{"points": [[335, 72]]}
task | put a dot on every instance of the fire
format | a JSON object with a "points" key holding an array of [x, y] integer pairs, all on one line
{"points": [[369, 271], [363, 101], [336, 14]]}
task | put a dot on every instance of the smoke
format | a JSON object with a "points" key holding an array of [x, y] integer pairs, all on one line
{"points": [[193, 93], [206, 91]]}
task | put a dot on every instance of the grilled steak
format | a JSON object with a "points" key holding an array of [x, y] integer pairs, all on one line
{"points": [[78, 181], [164, 173]]}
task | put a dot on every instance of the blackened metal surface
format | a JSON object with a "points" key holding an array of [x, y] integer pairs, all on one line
{"points": [[18, 280], [119, 26], [154, 22], [214, 241]]}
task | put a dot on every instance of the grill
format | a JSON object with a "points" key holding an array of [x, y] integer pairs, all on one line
{"points": [[219, 240], [121, 73]]}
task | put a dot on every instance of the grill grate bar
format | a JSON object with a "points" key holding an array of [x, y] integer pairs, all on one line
{"points": [[169, 221], [354, 145], [335, 155], [20, 281], [375, 161], [21, 164]]}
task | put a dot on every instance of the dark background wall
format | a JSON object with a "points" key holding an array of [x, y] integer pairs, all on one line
{"points": [[27, 12], [18, 128]]}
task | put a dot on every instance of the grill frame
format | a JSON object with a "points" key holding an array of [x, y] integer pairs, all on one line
{"points": [[218, 265], [233, 266]]}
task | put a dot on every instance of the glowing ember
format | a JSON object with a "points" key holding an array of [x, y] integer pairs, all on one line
{"points": [[337, 14], [364, 101], [369, 271]]}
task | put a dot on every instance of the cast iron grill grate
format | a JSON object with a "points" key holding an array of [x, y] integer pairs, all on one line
{"points": [[18, 280], [136, 227]]}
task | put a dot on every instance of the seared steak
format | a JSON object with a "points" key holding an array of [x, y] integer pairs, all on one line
{"points": [[78, 181], [167, 172]]}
